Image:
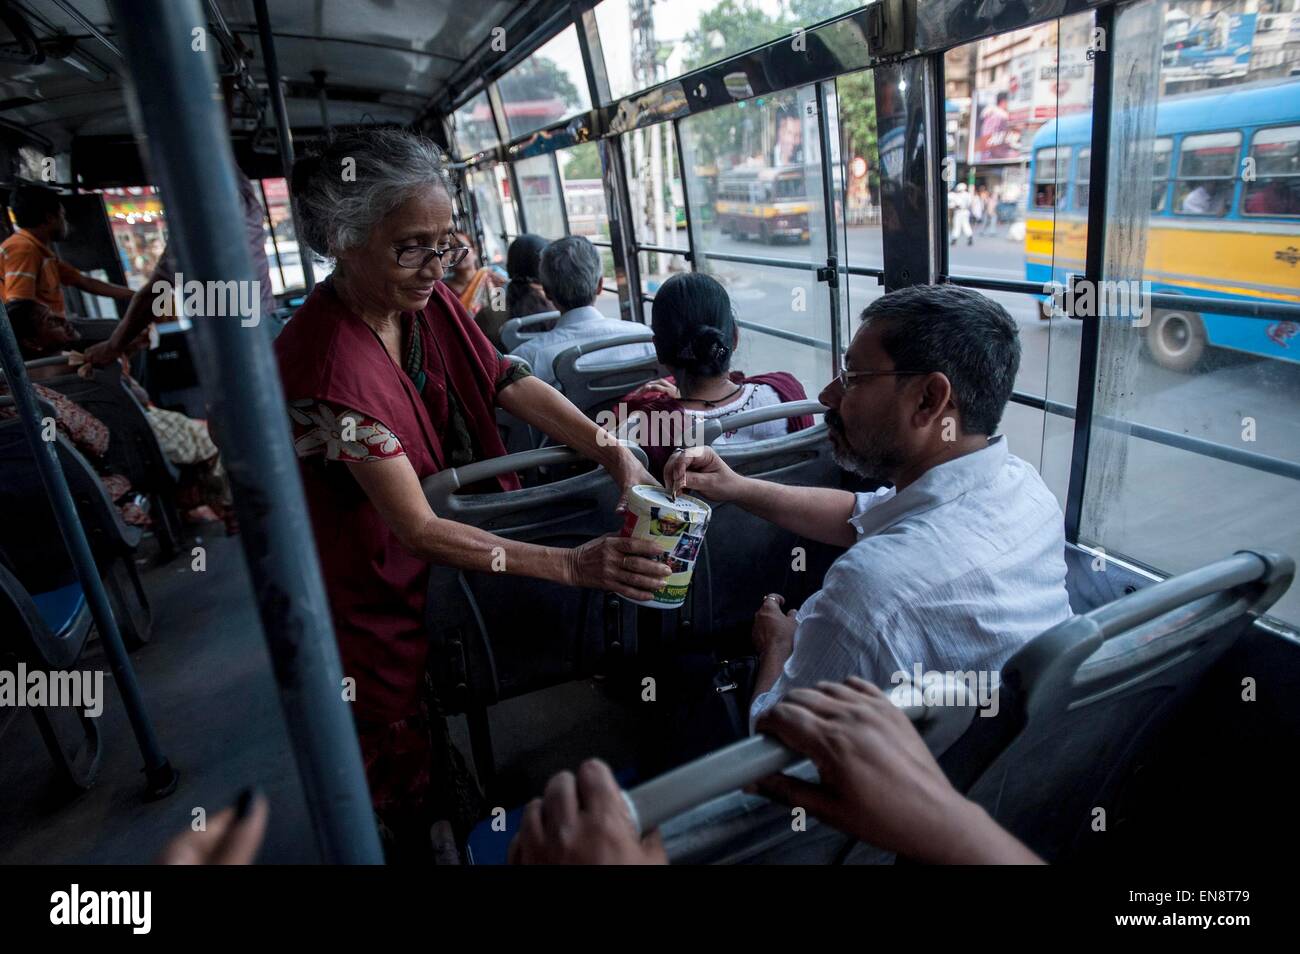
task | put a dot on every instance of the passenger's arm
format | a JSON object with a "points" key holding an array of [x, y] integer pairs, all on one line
{"points": [[818, 513], [535, 402], [96, 287], [139, 314], [614, 563], [878, 781], [773, 638]]}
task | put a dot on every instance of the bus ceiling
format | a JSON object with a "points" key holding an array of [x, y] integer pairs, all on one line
{"points": [[354, 63]]}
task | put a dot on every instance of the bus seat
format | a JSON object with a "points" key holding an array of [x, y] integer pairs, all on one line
{"points": [[1093, 580], [745, 557], [494, 636], [133, 450], [594, 388], [30, 537], [27, 636], [1080, 705], [93, 330], [1075, 706], [705, 817], [518, 330]]}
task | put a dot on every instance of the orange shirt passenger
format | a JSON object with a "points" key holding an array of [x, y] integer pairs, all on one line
{"points": [[31, 268]]}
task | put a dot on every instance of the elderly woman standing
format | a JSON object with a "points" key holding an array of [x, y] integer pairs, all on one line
{"points": [[389, 380]]}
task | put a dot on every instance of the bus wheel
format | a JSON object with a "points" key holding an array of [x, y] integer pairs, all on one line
{"points": [[1176, 339]]}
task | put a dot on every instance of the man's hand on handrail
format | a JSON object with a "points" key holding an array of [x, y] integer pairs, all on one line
{"points": [[878, 781]]}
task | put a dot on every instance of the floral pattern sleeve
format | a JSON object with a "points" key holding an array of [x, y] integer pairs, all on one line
{"points": [[335, 433]]}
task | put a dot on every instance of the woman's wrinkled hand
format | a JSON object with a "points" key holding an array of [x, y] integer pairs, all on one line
{"points": [[628, 473], [622, 565]]}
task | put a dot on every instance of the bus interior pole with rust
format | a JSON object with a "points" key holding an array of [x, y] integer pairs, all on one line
{"points": [[173, 88], [160, 777]]}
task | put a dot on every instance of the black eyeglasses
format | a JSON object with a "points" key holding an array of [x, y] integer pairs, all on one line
{"points": [[418, 256], [847, 377]]}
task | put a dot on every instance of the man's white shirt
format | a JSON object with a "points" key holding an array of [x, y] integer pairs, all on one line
{"points": [[579, 326], [955, 573]]}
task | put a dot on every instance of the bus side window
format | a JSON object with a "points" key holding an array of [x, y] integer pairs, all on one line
{"points": [[1207, 168], [1082, 171], [1276, 189], [1051, 167], [1164, 149]]}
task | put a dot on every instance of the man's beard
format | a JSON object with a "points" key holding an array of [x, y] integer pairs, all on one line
{"points": [[877, 460]]}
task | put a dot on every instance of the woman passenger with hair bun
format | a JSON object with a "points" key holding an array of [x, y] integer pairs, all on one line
{"points": [[695, 336], [388, 380]]}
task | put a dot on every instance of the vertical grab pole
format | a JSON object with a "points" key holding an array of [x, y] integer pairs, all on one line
{"points": [[160, 776], [174, 87], [282, 134]]}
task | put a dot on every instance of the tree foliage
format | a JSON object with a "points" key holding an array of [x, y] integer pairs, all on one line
{"points": [[735, 26]]}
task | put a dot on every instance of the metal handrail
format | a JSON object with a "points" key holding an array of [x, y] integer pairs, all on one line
{"points": [[713, 427]]}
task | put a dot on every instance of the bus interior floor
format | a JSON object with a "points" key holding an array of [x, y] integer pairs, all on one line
{"points": [[207, 686]]}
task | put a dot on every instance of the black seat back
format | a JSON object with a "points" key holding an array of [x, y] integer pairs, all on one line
{"points": [[29, 534], [133, 450], [71, 737], [1080, 704], [496, 635]]}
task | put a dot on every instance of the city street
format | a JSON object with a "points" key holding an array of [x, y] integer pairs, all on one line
{"points": [[1166, 507]]}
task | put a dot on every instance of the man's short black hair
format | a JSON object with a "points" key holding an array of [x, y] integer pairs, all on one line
{"points": [[958, 331], [34, 205]]}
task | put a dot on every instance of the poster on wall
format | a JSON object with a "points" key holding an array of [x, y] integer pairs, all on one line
{"points": [[1216, 45]]}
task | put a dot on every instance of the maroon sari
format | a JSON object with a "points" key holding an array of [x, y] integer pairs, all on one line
{"points": [[376, 587]]}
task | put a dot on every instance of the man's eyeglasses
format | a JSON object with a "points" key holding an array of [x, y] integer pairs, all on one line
{"points": [[847, 377], [418, 256]]}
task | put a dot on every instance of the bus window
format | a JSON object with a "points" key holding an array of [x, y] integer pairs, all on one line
{"points": [[1206, 166], [784, 311], [546, 87], [139, 227], [543, 214], [1164, 149], [1228, 379], [1082, 170], [1276, 189], [474, 127], [654, 183], [1051, 172], [492, 215], [584, 192]]}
